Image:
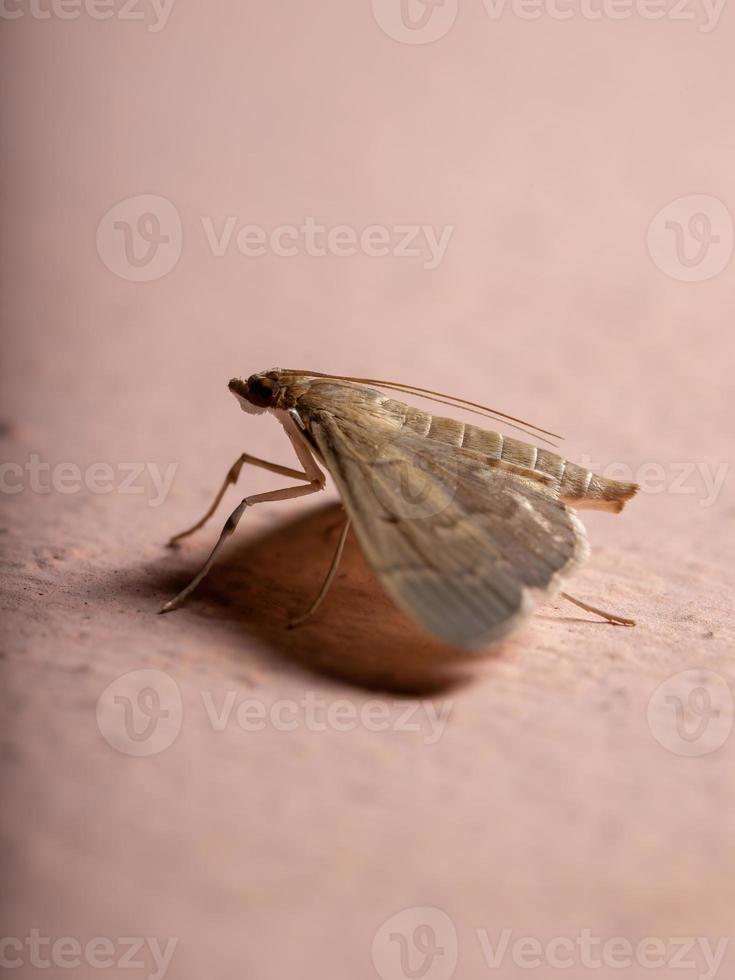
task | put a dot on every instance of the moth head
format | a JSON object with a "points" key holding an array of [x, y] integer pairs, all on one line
{"points": [[258, 393]]}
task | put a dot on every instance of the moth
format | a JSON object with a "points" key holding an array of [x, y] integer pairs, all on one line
{"points": [[462, 526]]}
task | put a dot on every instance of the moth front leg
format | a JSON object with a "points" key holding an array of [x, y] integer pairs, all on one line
{"points": [[311, 473], [230, 525], [232, 478]]}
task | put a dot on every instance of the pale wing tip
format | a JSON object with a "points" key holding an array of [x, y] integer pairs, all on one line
{"points": [[477, 641]]}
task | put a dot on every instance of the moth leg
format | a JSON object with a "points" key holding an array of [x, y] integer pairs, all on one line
{"points": [[610, 617], [232, 477], [231, 523], [328, 580]]}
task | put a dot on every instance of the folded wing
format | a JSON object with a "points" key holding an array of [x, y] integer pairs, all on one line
{"points": [[459, 544]]}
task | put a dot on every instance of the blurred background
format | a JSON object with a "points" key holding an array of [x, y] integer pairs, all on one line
{"points": [[526, 203]]}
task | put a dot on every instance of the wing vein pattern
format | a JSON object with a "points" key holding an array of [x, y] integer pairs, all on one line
{"points": [[458, 544]]}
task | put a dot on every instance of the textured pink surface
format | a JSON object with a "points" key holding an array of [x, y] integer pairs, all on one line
{"points": [[547, 805]]}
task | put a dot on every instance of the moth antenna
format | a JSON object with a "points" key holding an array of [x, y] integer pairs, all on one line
{"points": [[521, 425], [527, 428]]}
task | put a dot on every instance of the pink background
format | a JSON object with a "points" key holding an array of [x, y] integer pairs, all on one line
{"points": [[549, 146]]}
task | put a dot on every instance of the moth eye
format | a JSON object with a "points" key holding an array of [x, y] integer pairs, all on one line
{"points": [[261, 391]]}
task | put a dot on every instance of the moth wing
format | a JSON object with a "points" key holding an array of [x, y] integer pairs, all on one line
{"points": [[458, 544]]}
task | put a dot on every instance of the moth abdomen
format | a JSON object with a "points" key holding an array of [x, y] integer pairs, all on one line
{"points": [[573, 484], [583, 488]]}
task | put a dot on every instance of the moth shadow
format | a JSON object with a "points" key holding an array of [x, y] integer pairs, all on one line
{"points": [[357, 634]]}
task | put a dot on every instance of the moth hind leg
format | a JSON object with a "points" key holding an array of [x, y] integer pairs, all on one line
{"points": [[610, 617], [327, 581]]}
